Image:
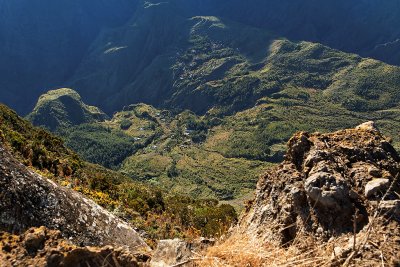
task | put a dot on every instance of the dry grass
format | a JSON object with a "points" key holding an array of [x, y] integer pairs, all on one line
{"points": [[377, 244], [241, 250]]}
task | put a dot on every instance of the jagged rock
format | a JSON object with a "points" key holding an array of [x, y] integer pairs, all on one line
{"points": [[375, 186], [327, 189], [30, 200], [44, 247], [319, 188]]}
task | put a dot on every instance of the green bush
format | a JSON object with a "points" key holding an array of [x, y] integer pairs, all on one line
{"points": [[125, 124]]}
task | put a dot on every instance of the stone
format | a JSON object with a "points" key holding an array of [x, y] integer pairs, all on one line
{"points": [[367, 126], [375, 186], [34, 240], [172, 252], [56, 251], [322, 180], [325, 189], [375, 172], [177, 252], [28, 199], [391, 207]]}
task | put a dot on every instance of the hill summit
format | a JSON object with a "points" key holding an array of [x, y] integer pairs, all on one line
{"points": [[63, 107]]}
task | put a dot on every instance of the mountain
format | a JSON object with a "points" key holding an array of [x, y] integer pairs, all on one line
{"points": [[248, 114], [43, 42], [63, 108], [199, 98], [111, 53]]}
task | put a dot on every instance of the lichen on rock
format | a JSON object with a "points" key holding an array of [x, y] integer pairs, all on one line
{"points": [[28, 199]]}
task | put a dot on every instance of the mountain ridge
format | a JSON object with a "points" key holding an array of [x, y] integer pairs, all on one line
{"points": [[366, 36]]}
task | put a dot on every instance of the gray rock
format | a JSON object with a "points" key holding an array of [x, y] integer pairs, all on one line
{"points": [[375, 186], [29, 200], [172, 252], [327, 190]]}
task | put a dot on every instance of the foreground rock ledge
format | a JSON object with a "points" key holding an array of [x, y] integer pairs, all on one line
{"points": [[44, 247], [30, 200], [325, 183]]}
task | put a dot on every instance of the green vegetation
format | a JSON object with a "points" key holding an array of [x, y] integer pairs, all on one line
{"points": [[100, 145], [168, 151], [36, 147], [248, 92], [161, 214]]}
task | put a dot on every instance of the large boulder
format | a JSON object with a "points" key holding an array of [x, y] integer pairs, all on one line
{"points": [[28, 199], [328, 184]]}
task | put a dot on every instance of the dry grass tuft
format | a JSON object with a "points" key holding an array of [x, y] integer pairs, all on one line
{"points": [[377, 245], [241, 250]]}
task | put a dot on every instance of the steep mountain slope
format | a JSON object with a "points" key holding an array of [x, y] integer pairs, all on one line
{"points": [[201, 62], [136, 49], [63, 108], [44, 42], [154, 66]]}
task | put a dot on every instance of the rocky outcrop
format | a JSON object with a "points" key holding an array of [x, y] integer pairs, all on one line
{"points": [[44, 247], [328, 184], [30, 200]]}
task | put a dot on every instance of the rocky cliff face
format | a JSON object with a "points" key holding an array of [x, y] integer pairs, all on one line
{"points": [[325, 181], [30, 200]]}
